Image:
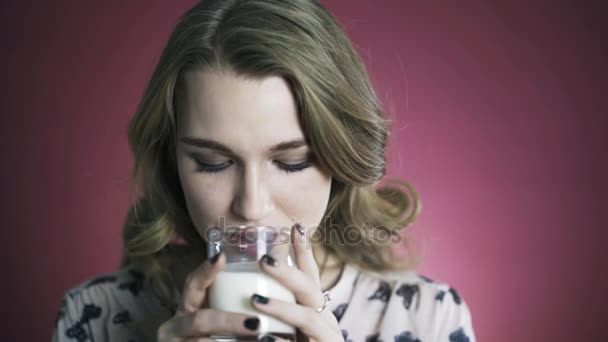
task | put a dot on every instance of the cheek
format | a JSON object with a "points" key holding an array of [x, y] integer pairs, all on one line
{"points": [[305, 198], [207, 200]]}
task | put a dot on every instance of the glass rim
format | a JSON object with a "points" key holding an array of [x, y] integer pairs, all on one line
{"points": [[279, 236]]}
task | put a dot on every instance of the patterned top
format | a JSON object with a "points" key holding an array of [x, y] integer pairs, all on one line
{"points": [[388, 306]]}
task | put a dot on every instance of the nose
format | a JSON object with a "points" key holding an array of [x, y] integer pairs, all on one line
{"points": [[253, 201]]}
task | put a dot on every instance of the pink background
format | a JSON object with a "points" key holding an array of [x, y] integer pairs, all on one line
{"points": [[499, 119]]}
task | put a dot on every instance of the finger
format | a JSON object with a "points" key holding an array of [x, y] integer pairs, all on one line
{"points": [[311, 323], [197, 282], [305, 259], [299, 283], [211, 321]]}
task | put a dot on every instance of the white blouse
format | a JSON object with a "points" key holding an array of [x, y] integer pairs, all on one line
{"points": [[387, 306]]}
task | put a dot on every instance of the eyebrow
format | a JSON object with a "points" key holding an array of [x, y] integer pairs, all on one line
{"points": [[212, 144]]}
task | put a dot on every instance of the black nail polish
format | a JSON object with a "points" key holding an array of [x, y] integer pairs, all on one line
{"points": [[259, 299], [252, 323], [267, 338], [269, 260], [215, 258], [300, 229]]}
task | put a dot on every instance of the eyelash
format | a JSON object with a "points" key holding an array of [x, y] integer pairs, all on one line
{"points": [[287, 168]]}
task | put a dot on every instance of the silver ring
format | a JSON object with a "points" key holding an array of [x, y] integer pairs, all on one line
{"points": [[326, 300]]}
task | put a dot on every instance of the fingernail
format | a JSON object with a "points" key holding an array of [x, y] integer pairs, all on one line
{"points": [[269, 260], [215, 258], [267, 338], [300, 229], [259, 299], [252, 323]]}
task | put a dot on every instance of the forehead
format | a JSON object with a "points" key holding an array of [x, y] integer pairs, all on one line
{"points": [[242, 113]]}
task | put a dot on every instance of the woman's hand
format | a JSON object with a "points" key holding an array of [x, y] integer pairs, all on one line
{"points": [[304, 282], [193, 323]]}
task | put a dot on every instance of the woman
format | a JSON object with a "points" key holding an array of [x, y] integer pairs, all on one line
{"points": [[261, 112]]}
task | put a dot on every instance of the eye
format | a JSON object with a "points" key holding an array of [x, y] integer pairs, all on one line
{"points": [[289, 168], [210, 168]]}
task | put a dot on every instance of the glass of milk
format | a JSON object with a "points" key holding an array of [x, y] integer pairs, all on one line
{"points": [[243, 246]]}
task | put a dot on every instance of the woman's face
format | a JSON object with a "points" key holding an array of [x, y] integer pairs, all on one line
{"points": [[242, 156]]}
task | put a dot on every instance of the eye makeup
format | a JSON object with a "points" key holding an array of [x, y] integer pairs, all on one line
{"points": [[208, 167]]}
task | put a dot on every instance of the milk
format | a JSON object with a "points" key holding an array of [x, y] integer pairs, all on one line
{"points": [[234, 285]]}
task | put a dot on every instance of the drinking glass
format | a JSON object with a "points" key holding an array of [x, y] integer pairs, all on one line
{"points": [[241, 277]]}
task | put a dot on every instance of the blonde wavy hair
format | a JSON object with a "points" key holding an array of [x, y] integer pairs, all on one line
{"points": [[341, 116]]}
